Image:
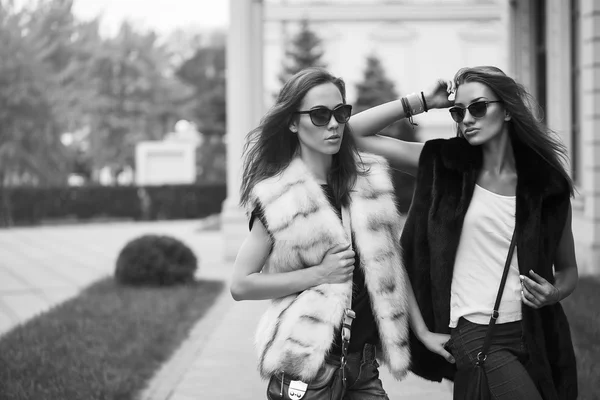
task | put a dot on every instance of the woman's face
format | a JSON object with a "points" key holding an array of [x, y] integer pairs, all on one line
{"points": [[325, 139], [490, 125]]}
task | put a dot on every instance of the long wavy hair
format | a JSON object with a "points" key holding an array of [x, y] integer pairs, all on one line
{"points": [[271, 146], [523, 127]]}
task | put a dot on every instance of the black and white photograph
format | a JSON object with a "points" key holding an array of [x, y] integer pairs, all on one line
{"points": [[299, 199]]}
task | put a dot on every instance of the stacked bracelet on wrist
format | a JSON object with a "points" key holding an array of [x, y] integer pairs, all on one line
{"points": [[406, 109], [413, 104]]}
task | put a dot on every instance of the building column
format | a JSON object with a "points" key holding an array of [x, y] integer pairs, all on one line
{"points": [[558, 70], [588, 249], [521, 41], [244, 108]]}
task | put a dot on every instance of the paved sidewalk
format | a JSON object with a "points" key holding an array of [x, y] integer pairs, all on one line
{"points": [[41, 267], [222, 364]]}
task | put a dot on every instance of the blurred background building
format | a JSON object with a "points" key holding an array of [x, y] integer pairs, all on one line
{"points": [[414, 41], [384, 49], [553, 47], [555, 52]]}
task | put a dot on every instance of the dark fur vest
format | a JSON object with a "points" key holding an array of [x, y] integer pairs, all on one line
{"points": [[448, 170], [297, 331]]}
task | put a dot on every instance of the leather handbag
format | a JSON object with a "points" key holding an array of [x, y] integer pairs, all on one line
{"points": [[330, 383], [472, 383]]}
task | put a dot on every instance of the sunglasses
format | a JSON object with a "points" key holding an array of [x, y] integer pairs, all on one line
{"points": [[477, 109], [320, 116]]}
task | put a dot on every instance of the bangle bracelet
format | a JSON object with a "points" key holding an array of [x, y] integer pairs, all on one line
{"points": [[424, 102], [405, 107], [415, 104], [408, 111]]}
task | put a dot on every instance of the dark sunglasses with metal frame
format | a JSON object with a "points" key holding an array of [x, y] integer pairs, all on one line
{"points": [[321, 115], [477, 109]]}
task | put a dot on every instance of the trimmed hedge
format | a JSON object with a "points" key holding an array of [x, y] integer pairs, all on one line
{"points": [[32, 205], [156, 260]]}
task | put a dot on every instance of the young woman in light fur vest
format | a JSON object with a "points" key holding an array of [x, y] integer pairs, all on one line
{"points": [[301, 173]]}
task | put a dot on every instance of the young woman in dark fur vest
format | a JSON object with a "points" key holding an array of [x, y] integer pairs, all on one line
{"points": [[503, 169], [301, 169]]}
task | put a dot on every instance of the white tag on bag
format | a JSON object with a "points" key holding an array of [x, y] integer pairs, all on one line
{"points": [[297, 389]]}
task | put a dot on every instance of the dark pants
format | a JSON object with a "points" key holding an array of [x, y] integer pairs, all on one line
{"points": [[362, 375], [504, 366]]}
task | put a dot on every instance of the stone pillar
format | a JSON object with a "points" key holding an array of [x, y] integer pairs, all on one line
{"points": [[521, 42], [244, 108], [559, 70], [588, 248]]}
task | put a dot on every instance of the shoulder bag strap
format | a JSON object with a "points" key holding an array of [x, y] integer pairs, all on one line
{"points": [[349, 314], [481, 356]]}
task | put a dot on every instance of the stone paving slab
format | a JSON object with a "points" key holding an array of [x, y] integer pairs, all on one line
{"points": [[7, 319], [26, 304], [10, 283], [172, 372], [226, 367]]}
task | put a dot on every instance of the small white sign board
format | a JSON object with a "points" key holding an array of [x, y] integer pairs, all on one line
{"points": [[165, 163]]}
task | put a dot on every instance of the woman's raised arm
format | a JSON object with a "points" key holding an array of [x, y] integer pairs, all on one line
{"points": [[401, 154]]}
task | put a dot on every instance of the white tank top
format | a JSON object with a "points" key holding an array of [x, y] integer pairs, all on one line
{"points": [[480, 258]]}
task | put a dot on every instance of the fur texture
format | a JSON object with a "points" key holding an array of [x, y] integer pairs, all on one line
{"points": [[296, 332], [448, 171]]}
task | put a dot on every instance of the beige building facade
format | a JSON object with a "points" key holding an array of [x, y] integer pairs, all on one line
{"points": [[417, 41], [555, 52]]}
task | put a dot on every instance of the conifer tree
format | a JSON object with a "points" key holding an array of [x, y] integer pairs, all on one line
{"points": [[303, 51], [375, 89]]}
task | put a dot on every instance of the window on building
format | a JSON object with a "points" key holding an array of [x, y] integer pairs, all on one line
{"points": [[575, 90]]}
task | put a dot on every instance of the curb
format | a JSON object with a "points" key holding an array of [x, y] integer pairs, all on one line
{"points": [[171, 372]]}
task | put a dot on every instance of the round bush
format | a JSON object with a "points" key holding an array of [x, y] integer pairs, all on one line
{"points": [[155, 260]]}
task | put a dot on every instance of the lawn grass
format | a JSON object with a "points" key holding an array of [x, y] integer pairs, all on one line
{"points": [[104, 344], [583, 310]]}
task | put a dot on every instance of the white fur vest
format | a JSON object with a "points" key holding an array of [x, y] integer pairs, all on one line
{"points": [[296, 332]]}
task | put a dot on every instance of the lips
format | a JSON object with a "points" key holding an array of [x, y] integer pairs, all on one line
{"points": [[470, 131], [333, 137]]}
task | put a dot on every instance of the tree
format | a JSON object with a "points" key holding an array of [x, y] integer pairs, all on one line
{"points": [[375, 89], [205, 72], [30, 148], [211, 162], [136, 99], [58, 75], [303, 51]]}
